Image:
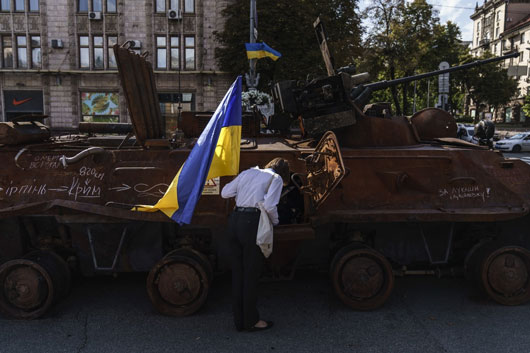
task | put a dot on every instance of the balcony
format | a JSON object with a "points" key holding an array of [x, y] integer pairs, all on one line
{"points": [[484, 42]]}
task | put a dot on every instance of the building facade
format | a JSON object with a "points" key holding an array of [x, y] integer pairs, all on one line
{"points": [[500, 27], [57, 58]]}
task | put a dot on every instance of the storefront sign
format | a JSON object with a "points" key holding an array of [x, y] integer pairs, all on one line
{"points": [[22, 101]]}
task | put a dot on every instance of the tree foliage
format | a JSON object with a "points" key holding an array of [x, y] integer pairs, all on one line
{"points": [[526, 106], [487, 84], [406, 39], [287, 26]]}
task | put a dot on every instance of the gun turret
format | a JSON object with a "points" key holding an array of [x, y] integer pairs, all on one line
{"points": [[362, 93], [335, 101], [338, 100]]}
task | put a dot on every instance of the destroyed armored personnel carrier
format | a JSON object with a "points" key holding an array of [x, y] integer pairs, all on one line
{"points": [[377, 196]]}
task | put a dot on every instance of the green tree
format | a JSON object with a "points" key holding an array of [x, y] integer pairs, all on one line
{"points": [[526, 106], [407, 39], [287, 26], [487, 84], [400, 40]]}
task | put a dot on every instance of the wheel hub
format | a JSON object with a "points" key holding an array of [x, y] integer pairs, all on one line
{"points": [[507, 274], [25, 288], [179, 284], [362, 278]]}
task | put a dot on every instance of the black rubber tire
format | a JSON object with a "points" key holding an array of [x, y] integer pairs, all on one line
{"points": [[516, 149]]}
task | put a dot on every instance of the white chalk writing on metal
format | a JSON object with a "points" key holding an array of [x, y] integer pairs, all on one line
{"points": [[45, 162], [26, 189], [157, 190], [465, 192]]}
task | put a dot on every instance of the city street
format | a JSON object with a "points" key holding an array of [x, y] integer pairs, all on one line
{"points": [[424, 314], [525, 156]]}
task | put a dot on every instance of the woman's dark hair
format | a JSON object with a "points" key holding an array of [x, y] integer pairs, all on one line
{"points": [[280, 167]]}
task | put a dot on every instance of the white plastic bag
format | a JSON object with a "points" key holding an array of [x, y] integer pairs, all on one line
{"points": [[265, 232]]}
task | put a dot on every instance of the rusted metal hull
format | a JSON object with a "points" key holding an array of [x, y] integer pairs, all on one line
{"points": [[373, 198]]}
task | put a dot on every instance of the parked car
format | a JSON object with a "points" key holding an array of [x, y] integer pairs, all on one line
{"points": [[516, 143], [465, 132]]}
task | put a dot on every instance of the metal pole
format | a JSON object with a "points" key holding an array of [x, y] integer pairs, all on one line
{"points": [[252, 82]]}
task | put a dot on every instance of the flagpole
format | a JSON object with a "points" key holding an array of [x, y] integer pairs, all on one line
{"points": [[251, 77]]}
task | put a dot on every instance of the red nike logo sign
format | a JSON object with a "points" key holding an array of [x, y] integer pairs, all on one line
{"points": [[15, 102]]}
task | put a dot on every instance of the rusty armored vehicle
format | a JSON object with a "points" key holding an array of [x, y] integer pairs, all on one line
{"points": [[372, 196]]}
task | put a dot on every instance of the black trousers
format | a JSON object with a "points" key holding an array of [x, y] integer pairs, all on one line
{"points": [[247, 262]]}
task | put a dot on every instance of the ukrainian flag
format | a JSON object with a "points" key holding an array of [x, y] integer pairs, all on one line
{"points": [[215, 154], [261, 50]]}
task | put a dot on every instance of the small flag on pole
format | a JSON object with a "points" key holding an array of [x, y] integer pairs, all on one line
{"points": [[261, 50], [215, 154]]}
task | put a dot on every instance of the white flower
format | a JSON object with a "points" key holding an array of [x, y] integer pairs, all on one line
{"points": [[254, 97]]}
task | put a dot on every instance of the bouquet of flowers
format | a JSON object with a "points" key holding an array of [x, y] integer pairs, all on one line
{"points": [[254, 97]]}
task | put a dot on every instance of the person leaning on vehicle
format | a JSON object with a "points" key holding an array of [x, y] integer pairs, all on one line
{"points": [[253, 189]]}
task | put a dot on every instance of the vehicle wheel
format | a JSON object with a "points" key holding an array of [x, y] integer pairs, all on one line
{"points": [[198, 256], [57, 266], [31, 285], [362, 277], [474, 257], [516, 149], [505, 275], [178, 284]]}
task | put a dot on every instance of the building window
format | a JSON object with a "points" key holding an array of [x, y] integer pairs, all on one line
{"points": [[521, 57], [19, 6], [96, 5], [189, 53], [163, 5], [497, 32], [82, 6], [111, 41], [34, 5], [7, 50], [111, 6], [522, 38], [22, 52], [175, 48], [35, 52], [160, 6], [498, 15], [95, 53], [161, 53], [5, 5], [98, 52], [100, 107], [169, 108], [84, 53], [189, 6]]}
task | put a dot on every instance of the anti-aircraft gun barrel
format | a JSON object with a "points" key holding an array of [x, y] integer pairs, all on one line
{"points": [[362, 94]]}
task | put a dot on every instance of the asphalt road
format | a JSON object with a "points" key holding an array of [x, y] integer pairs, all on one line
{"points": [[518, 155], [424, 314], [524, 156]]}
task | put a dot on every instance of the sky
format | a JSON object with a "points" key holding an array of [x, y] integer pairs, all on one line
{"points": [[457, 11]]}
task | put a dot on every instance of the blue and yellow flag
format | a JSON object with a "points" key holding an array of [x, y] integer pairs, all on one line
{"points": [[261, 50], [215, 154]]}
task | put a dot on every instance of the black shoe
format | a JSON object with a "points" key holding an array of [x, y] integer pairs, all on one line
{"points": [[255, 329]]}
